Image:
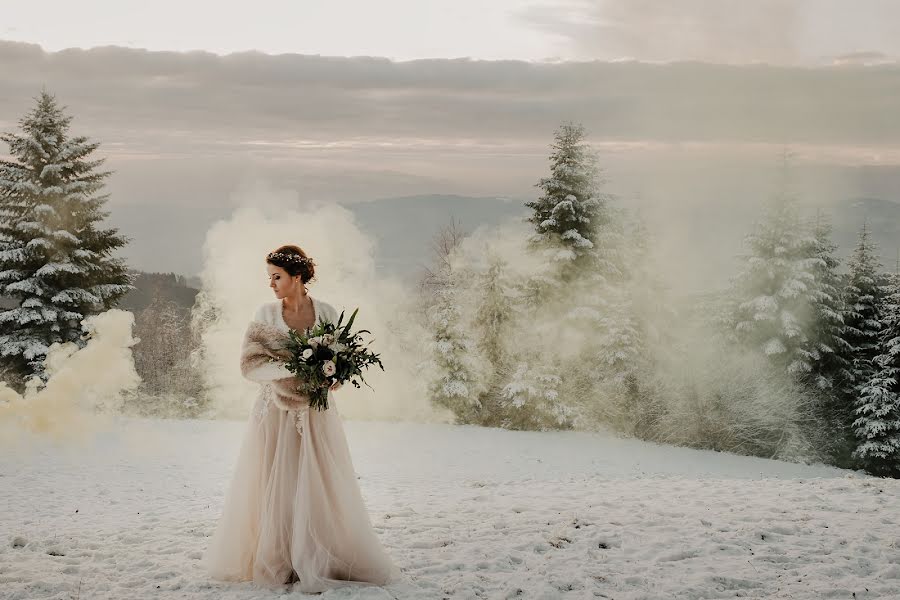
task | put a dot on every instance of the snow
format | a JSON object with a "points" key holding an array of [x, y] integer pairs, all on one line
{"points": [[54, 268], [466, 512], [73, 295], [21, 316], [11, 274]]}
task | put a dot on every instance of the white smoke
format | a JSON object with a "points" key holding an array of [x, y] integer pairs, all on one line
{"points": [[85, 385], [235, 284]]}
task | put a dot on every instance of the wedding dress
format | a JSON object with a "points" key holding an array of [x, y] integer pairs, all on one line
{"points": [[294, 510]]}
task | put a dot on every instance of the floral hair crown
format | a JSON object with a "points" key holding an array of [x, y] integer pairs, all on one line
{"points": [[290, 258]]}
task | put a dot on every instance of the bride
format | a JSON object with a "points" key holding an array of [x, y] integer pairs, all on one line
{"points": [[294, 511]]}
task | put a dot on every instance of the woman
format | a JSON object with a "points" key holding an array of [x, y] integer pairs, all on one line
{"points": [[294, 511]]}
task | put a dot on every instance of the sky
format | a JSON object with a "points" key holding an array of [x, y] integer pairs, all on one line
{"points": [[687, 102], [734, 31]]}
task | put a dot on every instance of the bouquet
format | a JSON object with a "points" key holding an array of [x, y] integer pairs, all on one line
{"points": [[330, 353]]}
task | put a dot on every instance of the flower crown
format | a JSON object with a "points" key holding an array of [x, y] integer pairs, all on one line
{"points": [[290, 258]]}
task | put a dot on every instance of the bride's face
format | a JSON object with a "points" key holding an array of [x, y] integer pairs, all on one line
{"points": [[282, 283]]}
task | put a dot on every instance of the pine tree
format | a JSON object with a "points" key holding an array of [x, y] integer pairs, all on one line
{"points": [[571, 215], [456, 382], [877, 410], [863, 297], [582, 236], [615, 343], [54, 260], [531, 400], [831, 366], [457, 385], [776, 286], [495, 310]]}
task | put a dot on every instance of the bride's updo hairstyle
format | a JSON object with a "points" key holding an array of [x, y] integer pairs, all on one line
{"points": [[293, 260]]}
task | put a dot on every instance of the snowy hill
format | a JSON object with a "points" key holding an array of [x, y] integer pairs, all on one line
{"points": [[466, 512]]}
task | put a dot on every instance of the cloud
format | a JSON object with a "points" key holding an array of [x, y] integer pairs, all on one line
{"points": [[778, 32], [722, 31], [158, 101], [863, 58]]}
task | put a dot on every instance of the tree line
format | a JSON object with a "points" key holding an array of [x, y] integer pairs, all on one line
{"points": [[574, 329]]}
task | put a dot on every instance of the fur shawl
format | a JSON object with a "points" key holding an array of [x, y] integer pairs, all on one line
{"points": [[263, 357]]}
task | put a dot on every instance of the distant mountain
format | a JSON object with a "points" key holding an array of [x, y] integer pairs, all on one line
{"points": [[883, 218], [405, 227]]}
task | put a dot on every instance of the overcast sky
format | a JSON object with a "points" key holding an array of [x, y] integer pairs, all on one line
{"points": [[775, 31], [187, 130]]}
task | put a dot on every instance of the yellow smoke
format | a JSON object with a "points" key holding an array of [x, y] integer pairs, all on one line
{"points": [[85, 385]]}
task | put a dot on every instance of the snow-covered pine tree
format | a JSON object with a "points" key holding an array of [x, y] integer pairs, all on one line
{"points": [[531, 400], [495, 309], [615, 343], [581, 235], [456, 386], [775, 288], [55, 260], [863, 298], [497, 315], [647, 319], [454, 364], [571, 217], [582, 303], [831, 367], [877, 410]]}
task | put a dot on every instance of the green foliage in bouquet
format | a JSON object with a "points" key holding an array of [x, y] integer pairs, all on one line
{"points": [[329, 353]]}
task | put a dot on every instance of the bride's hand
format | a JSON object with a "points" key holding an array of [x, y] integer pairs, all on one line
{"points": [[335, 387]]}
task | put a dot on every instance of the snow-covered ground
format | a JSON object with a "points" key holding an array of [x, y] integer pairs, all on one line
{"points": [[466, 512]]}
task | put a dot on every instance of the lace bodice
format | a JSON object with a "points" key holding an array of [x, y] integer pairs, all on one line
{"points": [[271, 314]]}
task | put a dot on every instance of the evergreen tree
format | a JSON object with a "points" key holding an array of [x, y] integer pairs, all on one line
{"points": [[457, 386], [832, 352], [863, 297], [582, 236], [776, 286], [583, 302], [877, 411], [615, 343], [570, 216], [531, 400], [456, 382], [495, 310], [496, 313], [55, 260]]}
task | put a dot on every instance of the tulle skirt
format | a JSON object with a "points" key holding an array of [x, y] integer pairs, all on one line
{"points": [[294, 510]]}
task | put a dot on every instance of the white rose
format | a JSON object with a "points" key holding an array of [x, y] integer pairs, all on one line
{"points": [[327, 339], [328, 368], [314, 341], [307, 353]]}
